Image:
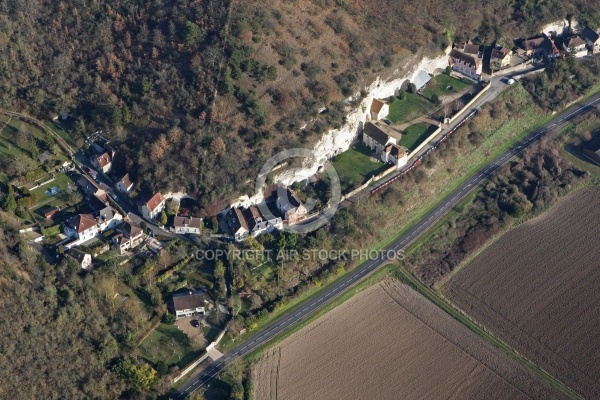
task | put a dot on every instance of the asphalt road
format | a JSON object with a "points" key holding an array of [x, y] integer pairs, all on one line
{"points": [[311, 305]]}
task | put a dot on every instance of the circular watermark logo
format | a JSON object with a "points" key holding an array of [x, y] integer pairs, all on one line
{"points": [[301, 217]]}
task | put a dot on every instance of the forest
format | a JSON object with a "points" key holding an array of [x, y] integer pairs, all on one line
{"points": [[196, 95]]}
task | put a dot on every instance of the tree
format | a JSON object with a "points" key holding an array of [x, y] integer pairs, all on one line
{"points": [[10, 205], [217, 146], [435, 99], [191, 33], [144, 226], [401, 95], [169, 319], [411, 88], [116, 118], [163, 218], [448, 70]]}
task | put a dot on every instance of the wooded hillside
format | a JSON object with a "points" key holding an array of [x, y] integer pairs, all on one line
{"points": [[147, 72]]}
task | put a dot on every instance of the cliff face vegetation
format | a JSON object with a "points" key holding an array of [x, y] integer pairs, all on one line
{"points": [[166, 78]]}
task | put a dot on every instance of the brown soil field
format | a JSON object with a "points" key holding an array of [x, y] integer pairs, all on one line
{"points": [[537, 288], [388, 342]]}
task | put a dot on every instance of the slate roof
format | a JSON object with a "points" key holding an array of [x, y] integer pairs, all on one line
{"points": [[589, 34], [375, 133], [236, 220], [77, 255], [185, 301]]}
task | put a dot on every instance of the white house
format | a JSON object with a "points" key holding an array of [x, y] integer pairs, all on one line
{"points": [[237, 224], [151, 208], [501, 56], [124, 185], [108, 218], [190, 303], [188, 225], [375, 138], [289, 205], [83, 259], [576, 43], [396, 155], [82, 227], [379, 110], [103, 162]]}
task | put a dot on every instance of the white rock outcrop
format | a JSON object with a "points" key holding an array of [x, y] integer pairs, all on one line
{"points": [[337, 141]]}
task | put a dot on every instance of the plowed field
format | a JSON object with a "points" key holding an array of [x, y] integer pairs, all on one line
{"points": [[388, 342], [538, 289]]}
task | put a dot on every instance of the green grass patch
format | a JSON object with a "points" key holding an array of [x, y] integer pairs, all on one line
{"points": [[64, 135], [413, 106], [167, 343], [444, 85], [355, 167], [62, 181], [416, 134]]}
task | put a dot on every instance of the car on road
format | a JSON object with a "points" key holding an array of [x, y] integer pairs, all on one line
{"points": [[510, 81], [387, 121]]}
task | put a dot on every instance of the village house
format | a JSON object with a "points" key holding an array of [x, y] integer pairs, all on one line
{"points": [[379, 110], [256, 223], [540, 47], [124, 185], [152, 207], [237, 224], [289, 205], [83, 259], [590, 37], [375, 138], [108, 218], [129, 237], [88, 186], [82, 227], [469, 48], [577, 44], [191, 303], [421, 79], [184, 225], [501, 56], [467, 64], [103, 161], [395, 155]]}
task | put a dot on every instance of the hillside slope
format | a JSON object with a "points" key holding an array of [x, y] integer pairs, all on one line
{"points": [[147, 72]]}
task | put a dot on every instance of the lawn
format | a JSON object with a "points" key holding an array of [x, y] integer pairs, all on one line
{"points": [[439, 84], [167, 343], [413, 106], [415, 134], [62, 181], [355, 167]]}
